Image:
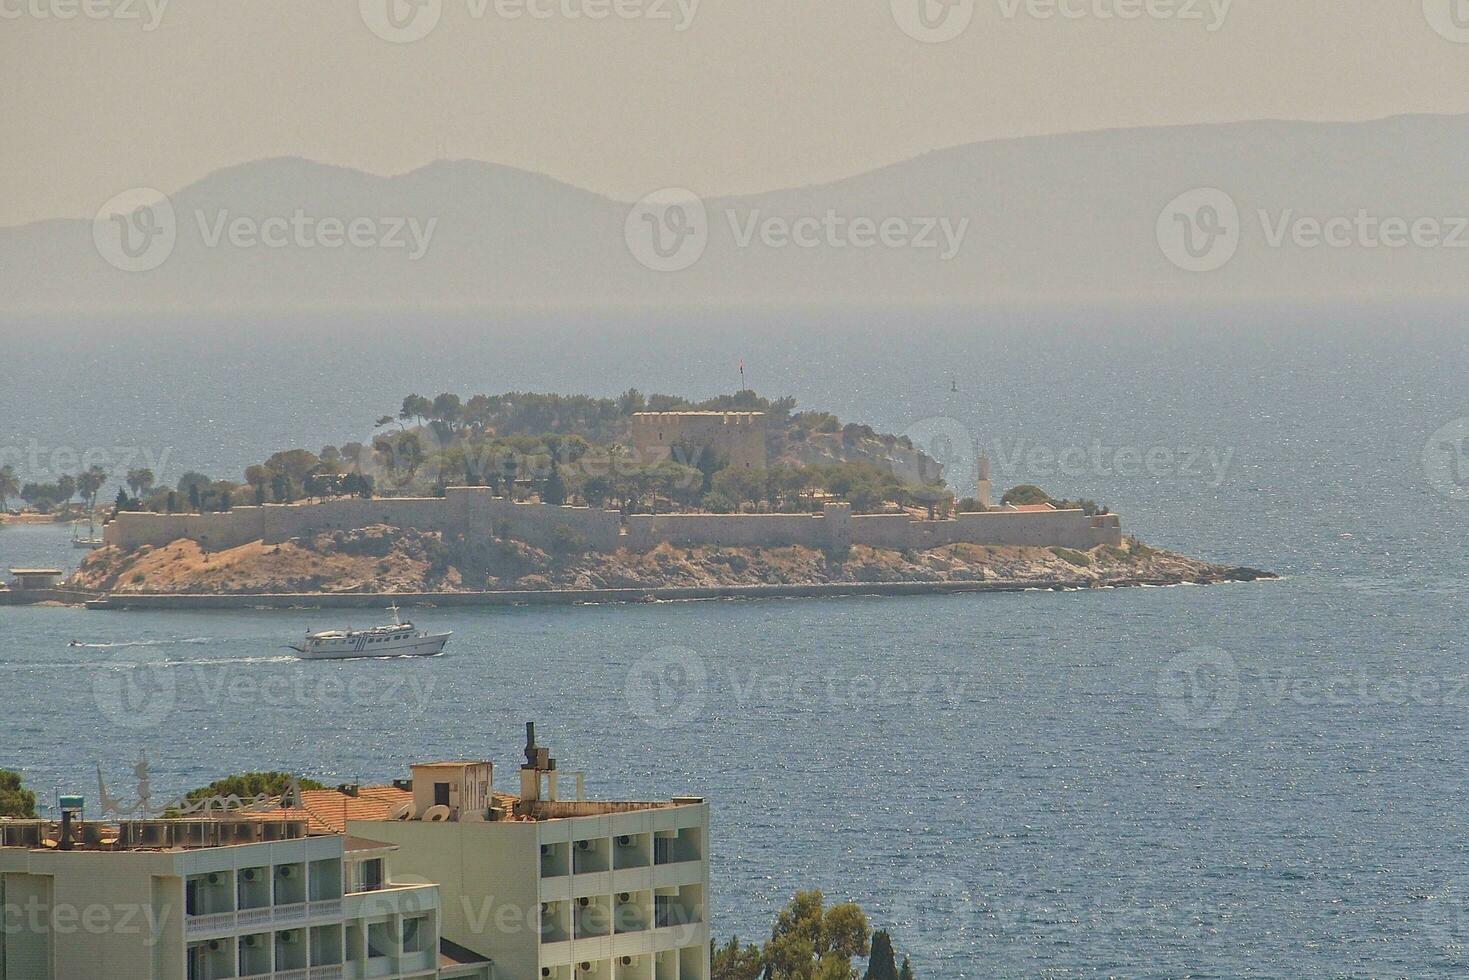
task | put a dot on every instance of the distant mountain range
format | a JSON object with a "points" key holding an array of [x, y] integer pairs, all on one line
{"points": [[1363, 210]]}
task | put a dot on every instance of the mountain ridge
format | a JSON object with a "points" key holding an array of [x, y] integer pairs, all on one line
{"points": [[1073, 217]]}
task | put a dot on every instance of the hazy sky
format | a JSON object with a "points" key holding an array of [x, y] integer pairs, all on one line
{"points": [[720, 96]]}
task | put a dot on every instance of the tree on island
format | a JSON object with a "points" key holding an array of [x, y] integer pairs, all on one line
{"points": [[89, 484], [1026, 493], [9, 486], [416, 407], [554, 492], [15, 799], [140, 481]]}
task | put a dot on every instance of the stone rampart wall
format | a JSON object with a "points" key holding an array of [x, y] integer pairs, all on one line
{"points": [[475, 510]]}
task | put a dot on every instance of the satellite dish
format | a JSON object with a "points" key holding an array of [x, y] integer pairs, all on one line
{"points": [[400, 812], [438, 814]]}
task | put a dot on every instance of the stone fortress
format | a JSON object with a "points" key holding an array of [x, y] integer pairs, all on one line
{"points": [[736, 436], [739, 436]]}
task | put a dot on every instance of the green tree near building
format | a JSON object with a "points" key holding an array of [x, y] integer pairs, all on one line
{"points": [[554, 492], [812, 942], [416, 407], [1026, 493], [90, 484], [15, 799], [9, 486], [140, 481], [246, 785], [883, 963]]}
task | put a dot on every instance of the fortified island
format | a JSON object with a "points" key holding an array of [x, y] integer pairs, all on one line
{"points": [[604, 500]]}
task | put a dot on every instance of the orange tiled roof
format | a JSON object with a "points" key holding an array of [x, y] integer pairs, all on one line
{"points": [[328, 810]]}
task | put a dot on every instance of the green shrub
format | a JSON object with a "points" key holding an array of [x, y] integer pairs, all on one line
{"points": [[1078, 558], [566, 541]]}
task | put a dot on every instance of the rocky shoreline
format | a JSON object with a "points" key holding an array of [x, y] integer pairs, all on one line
{"points": [[389, 561]]}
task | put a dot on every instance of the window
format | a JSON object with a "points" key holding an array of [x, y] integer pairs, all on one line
{"points": [[372, 875], [379, 940], [415, 934]]}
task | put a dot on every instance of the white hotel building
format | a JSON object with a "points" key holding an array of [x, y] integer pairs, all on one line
{"points": [[443, 878]]}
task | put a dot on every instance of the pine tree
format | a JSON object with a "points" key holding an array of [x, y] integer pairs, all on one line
{"points": [[882, 965], [907, 972], [555, 490]]}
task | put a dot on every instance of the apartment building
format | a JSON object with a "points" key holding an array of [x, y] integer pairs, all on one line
{"points": [[212, 899], [553, 888], [437, 877]]}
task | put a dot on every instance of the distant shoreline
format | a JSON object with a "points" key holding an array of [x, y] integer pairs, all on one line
{"points": [[567, 597]]}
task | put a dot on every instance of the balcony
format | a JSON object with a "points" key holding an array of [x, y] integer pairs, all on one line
{"points": [[257, 919]]}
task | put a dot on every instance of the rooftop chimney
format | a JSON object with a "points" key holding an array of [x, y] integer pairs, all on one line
{"points": [[538, 761]]}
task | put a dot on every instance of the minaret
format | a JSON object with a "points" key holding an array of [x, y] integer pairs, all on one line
{"points": [[982, 485]]}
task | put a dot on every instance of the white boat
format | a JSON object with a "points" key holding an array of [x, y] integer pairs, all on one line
{"points": [[398, 640], [91, 541]]}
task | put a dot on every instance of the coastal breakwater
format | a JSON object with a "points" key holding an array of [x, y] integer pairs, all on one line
{"points": [[473, 511], [576, 597]]}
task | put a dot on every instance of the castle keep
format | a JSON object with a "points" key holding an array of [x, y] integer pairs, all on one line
{"points": [[736, 436]]}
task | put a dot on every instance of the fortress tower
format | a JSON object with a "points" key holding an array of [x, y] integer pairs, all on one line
{"points": [[982, 485], [737, 436]]}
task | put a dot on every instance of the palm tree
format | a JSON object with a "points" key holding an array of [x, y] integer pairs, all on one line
{"points": [[140, 481], [67, 486], [9, 486], [89, 483]]}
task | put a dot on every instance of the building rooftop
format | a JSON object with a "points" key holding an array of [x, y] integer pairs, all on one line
{"points": [[326, 811], [36, 571], [452, 954]]}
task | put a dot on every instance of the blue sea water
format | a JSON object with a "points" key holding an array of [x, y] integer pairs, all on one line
{"points": [[1253, 780]]}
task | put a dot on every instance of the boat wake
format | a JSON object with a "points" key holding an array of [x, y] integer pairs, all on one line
{"points": [[124, 644]]}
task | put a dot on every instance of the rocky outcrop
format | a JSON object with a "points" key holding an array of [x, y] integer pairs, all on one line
{"points": [[388, 559]]}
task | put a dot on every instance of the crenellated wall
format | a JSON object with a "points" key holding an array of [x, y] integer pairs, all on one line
{"points": [[476, 510]]}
